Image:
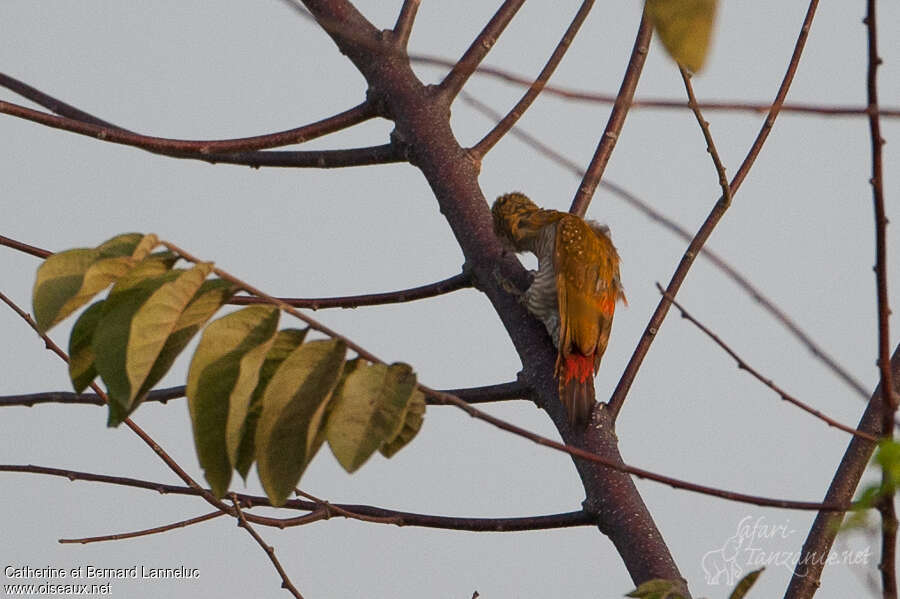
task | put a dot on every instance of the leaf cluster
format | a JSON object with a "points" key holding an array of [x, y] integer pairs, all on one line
{"points": [[257, 394]]}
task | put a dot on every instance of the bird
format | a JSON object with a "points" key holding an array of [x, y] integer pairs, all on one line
{"points": [[574, 291]]}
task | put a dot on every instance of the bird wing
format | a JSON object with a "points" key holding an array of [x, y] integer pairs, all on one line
{"points": [[587, 268]]}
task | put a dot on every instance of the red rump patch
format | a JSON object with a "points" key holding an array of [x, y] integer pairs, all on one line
{"points": [[578, 367]]}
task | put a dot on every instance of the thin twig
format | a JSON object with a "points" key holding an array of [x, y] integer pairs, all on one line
{"points": [[743, 365], [404, 24], [658, 217], [459, 281], [450, 284], [332, 509], [481, 45], [146, 531], [474, 395], [270, 551], [507, 122], [365, 156], [886, 507], [707, 135], [643, 346], [594, 172], [393, 517]]}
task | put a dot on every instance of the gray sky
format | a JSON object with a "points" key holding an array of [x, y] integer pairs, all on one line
{"points": [[800, 228]]}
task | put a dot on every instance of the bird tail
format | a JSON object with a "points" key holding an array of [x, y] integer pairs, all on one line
{"points": [[576, 387]]}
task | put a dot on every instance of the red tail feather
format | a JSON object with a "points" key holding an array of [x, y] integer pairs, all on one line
{"points": [[576, 387]]}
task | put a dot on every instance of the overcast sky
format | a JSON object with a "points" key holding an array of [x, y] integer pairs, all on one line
{"points": [[800, 228]]}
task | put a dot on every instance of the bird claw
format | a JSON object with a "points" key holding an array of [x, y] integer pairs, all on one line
{"points": [[507, 286]]}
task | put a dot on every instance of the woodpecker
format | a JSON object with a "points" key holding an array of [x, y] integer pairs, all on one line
{"points": [[574, 291]]}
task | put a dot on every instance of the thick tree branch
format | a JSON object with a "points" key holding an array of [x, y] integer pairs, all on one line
{"points": [[808, 571], [481, 45], [507, 122], [421, 118], [594, 171], [687, 260]]}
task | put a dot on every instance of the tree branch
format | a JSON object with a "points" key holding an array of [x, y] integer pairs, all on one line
{"points": [[807, 574], [404, 24], [270, 551], [383, 154], [886, 507], [144, 532], [421, 119], [634, 364], [194, 148], [474, 395], [395, 517], [448, 285], [506, 123], [481, 45], [616, 121]]}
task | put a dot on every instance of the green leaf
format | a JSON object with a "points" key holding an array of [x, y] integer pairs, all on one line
{"points": [[285, 342], [154, 322], [745, 584], [154, 265], [888, 457], [213, 294], [68, 280], [111, 339], [368, 409], [293, 406], [684, 28], [412, 422], [81, 355], [659, 588], [214, 372]]}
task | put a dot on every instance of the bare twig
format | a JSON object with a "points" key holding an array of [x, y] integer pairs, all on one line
{"points": [[506, 123], [886, 507], [707, 135], [481, 45], [594, 172], [270, 551], [643, 346], [404, 24], [146, 531], [377, 514], [485, 394], [366, 156], [658, 217], [743, 365], [448, 285], [24, 247]]}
